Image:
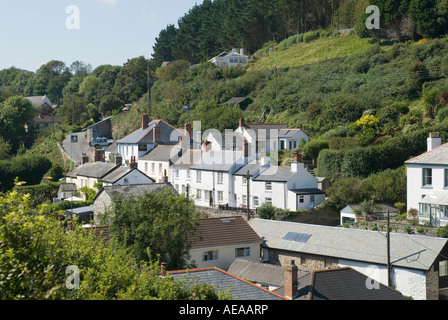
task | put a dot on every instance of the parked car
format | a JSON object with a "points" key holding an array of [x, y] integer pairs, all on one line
{"points": [[100, 142]]}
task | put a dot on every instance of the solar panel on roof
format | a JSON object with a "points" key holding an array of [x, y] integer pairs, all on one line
{"points": [[298, 237]]}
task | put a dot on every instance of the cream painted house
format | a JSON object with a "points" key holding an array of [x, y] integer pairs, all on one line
{"points": [[218, 242]]}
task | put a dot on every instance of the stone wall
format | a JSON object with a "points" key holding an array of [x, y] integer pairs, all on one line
{"points": [[305, 262], [211, 212], [432, 284]]}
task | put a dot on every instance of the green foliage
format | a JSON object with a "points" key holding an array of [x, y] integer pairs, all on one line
{"points": [[442, 232], [40, 193], [268, 211], [346, 191], [28, 168], [36, 252], [89, 193], [157, 224]]}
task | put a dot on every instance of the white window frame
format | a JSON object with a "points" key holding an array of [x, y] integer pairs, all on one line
{"points": [[443, 268]]}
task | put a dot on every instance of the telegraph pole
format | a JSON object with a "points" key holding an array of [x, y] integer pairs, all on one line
{"points": [[388, 251], [247, 195]]}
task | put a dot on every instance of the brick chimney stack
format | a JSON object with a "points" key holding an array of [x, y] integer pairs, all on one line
{"points": [[187, 131], [242, 123], [118, 160], [133, 163], [291, 280], [145, 121], [434, 140], [163, 271], [165, 177], [245, 149]]}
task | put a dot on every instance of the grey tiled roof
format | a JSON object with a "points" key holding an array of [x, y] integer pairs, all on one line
{"points": [[119, 193], [265, 273], [275, 173], [307, 191], [340, 284], [140, 135], [409, 251], [168, 134], [162, 153], [287, 133], [222, 281], [189, 157], [119, 173], [437, 155], [93, 170], [254, 167], [217, 160]]}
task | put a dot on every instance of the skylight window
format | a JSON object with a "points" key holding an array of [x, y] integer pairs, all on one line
{"points": [[297, 237]]}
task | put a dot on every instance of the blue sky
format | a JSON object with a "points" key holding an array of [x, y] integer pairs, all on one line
{"points": [[33, 32]]}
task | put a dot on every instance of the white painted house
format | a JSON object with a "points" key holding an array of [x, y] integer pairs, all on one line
{"points": [[212, 177], [159, 160], [110, 174], [290, 188], [230, 59], [427, 183], [264, 138], [144, 139], [180, 171]]}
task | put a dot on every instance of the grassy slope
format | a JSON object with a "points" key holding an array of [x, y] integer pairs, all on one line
{"points": [[315, 51]]}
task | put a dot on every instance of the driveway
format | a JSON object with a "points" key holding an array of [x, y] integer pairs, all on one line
{"points": [[76, 149]]}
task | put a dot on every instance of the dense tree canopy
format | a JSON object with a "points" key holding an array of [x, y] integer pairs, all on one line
{"points": [[41, 260]]}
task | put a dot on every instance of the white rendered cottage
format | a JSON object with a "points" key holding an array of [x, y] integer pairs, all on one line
{"points": [[427, 183], [290, 188]]}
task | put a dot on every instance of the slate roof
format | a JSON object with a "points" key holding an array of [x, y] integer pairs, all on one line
{"points": [[240, 289], [119, 193], [93, 170], [36, 100], [162, 153], [99, 122], [145, 136], [266, 273], [188, 158], [287, 133], [254, 167], [67, 187], [307, 191], [437, 155], [140, 135], [213, 232], [218, 160], [48, 119], [276, 173], [408, 251], [340, 284], [263, 130], [119, 173]]}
